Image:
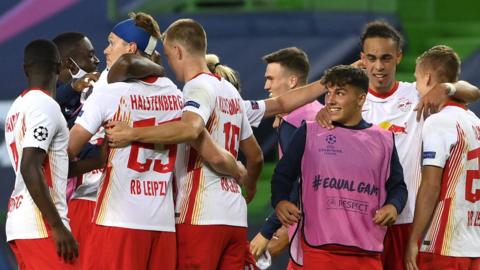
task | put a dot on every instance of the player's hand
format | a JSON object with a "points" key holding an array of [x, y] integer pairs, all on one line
{"points": [[288, 213], [411, 254], [279, 242], [258, 245], [386, 216], [67, 246], [432, 101], [358, 64], [250, 191], [85, 82], [118, 134], [241, 176], [324, 119]]}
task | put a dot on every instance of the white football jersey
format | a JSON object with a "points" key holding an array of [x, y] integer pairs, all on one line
{"points": [[88, 183], [136, 186], [451, 140], [35, 120], [394, 111], [204, 197], [255, 110]]}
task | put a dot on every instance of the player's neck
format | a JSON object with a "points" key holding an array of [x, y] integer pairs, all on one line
{"points": [[195, 67], [46, 85], [383, 91], [64, 77]]}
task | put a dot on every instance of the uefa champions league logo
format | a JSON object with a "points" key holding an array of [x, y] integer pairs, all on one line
{"points": [[331, 139]]}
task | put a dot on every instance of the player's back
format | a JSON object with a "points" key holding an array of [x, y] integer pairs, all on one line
{"points": [[205, 197], [454, 133], [35, 120], [136, 188]]}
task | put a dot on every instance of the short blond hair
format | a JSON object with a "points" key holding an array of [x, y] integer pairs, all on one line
{"points": [[443, 61], [190, 34]]}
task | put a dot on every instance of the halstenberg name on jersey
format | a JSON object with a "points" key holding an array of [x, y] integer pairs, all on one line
{"points": [[148, 187], [229, 106], [156, 103], [344, 184]]}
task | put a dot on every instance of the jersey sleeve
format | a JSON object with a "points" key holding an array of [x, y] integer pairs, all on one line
{"points": [[255, 111], [439, 135], [200, 100], [40, 128], [246, 129], [93, 113]]}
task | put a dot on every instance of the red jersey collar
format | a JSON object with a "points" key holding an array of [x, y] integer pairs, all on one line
{"points": [[207, 73], [387, 94], [34, 89], [455, 104]]}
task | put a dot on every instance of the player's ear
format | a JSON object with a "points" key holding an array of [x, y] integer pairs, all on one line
{"points": [[178, 52], [25, 70], [361, 97], [292, 81], [132, 47], [399, 56]]}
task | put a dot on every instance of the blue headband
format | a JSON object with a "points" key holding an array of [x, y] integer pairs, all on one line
{"points": [[128, 31]]}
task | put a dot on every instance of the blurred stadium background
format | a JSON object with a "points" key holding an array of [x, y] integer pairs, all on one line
{"points": [[240, 32]]}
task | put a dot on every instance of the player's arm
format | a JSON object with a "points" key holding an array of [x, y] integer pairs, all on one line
{"points": [[31, 168], [133, 66], [78, 138], [439, 94], [259, 243], [186, 130], [397, 193], [217, 157], [285, 174], [254, 156], [294, 99], [427, 199]]}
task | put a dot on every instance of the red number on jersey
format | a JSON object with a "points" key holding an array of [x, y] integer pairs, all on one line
{"points": [[232, 133], [133, 162], [13, 147], [470, 195]]}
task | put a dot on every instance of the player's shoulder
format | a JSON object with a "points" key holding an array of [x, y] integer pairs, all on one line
{"points": [[39, 100], [443, 119], [204, 80], [408, 89]]}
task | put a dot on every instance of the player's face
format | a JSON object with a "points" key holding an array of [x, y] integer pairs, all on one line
{"points": [[85, 56], [172, 52], [344, 104], [116, 48], [380, 57], [422, 80], [276, 79]]}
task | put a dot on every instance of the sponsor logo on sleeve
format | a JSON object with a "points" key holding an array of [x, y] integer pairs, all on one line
{"points": [[192, 103], [80, 113], [254, 104], [429, 154], [40, 133]]}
